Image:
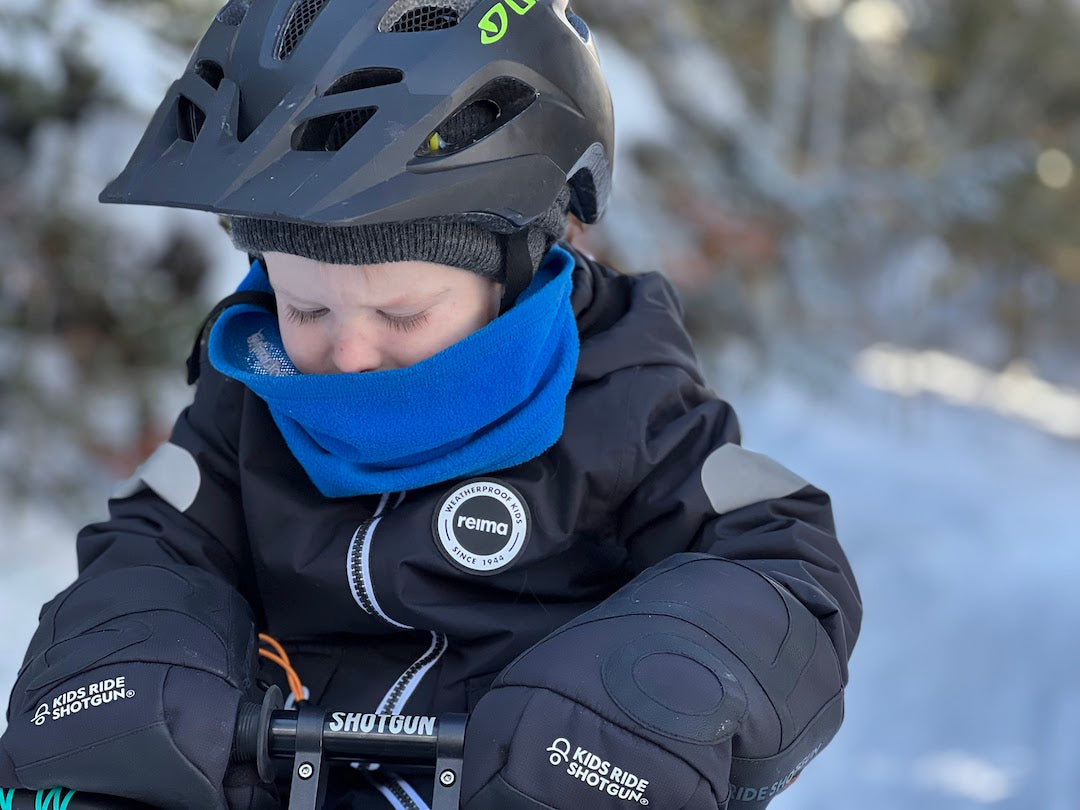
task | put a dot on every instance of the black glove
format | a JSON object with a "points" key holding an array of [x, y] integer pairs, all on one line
{"points": [[244, 790], [131, 687], [651, 699]]}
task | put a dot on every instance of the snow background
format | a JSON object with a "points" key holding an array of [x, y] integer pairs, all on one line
{"points": [[963, 688], [959, 522]]}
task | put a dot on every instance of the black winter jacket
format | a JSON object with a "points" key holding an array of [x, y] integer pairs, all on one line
{"points": [[414, 601]]}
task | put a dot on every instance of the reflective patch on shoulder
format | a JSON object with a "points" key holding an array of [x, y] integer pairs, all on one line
{"points": [[171, 472], [734, 477]]}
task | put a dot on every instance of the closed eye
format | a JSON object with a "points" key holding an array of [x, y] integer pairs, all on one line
{"points": [[404, 323], [302, 316]]}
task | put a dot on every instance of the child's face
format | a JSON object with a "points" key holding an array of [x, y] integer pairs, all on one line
{"points": [[346, 318]]}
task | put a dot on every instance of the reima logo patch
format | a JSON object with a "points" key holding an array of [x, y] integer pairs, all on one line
{"points": [[596, 772], [481, 526]]}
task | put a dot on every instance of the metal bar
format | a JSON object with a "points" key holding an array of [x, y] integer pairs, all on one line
{"points": [[308, 774]]}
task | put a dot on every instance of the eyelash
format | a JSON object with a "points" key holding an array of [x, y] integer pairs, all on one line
{"points": [[302, 316], [405, 324]]}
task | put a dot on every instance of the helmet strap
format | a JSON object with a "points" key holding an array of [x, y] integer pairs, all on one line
{"points": [[519, 267]]}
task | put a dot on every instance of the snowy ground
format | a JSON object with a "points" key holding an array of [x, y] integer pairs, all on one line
{"points": [[960, 526]]}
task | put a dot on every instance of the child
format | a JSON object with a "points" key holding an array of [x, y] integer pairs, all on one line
{"points": [[450, 462]]}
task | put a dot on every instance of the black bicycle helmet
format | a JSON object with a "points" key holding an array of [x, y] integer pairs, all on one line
{"points": [[350, 112]]}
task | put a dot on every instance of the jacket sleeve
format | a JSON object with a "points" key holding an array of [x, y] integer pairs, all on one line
{"points": [[746, 550], [182, 506], [158, 605], [179, 511]]}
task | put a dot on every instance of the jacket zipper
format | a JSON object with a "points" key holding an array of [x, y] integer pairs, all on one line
{"points": [[403, 688], [393, 790], [359, 573]]}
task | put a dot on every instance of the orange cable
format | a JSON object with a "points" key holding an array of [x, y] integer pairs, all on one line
{"points": [[281, 658], [294, 685]]}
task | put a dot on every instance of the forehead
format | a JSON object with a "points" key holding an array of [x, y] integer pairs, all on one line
{"points": [[289, 269]]}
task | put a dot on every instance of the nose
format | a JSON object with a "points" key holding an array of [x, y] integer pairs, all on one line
{"points": [[355, 350]]}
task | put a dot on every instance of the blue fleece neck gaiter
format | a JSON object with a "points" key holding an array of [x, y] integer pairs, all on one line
{"points": [[493, 400]]}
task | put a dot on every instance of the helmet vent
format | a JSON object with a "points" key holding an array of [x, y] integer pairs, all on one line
{"points": [[365, 79], [493, 106], [210, 72], [579, 24], [234, 12], [329, 133], [428, 18], [414, 16], [297, 22], [189, 119]]}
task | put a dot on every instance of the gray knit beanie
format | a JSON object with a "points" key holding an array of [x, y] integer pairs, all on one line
{"points": [[472, 243]]}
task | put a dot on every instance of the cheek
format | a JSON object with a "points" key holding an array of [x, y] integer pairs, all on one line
{"points": [[305, 345], [463, 321], [442, 332], [403, 350]]}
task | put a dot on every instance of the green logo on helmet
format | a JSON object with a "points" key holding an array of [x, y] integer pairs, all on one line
{"points": [[495, 22]]}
